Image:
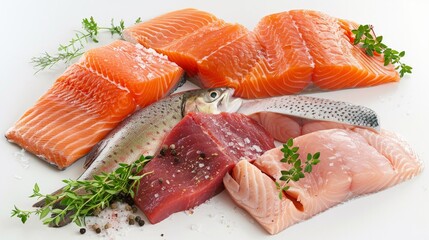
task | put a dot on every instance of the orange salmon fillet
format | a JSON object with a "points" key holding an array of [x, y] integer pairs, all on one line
{"points": [[284, 54], [90, 98], [338, 63]]}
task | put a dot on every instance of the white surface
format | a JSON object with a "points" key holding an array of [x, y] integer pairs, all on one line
{"points": [[402, 212]]}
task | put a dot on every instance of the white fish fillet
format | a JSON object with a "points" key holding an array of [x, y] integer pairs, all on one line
{"points": [[353, 162]]}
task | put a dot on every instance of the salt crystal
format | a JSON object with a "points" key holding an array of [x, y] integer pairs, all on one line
{"points": [[206, 176], [116, 218], [25, 163], [230, 144], [201, 165], [247, 140], [156, 195], [257, 148]]}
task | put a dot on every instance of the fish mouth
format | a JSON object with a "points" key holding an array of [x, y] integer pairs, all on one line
{"points": [[229, 103]]}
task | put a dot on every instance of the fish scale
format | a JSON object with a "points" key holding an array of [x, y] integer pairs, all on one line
{"points": [[314, 109]]}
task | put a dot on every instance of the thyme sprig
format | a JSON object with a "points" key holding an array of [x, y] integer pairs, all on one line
{"points": [[74, 48], [371, 43], [81, 198], [295, 173]]}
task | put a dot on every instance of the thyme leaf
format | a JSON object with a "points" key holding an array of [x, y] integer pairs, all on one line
{"points": [[82, 198], [75, 47], [295, 173], [365, 36]]}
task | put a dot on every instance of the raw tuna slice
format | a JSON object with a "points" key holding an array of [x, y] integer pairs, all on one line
{"points": [[352, 163], [197, 154]]}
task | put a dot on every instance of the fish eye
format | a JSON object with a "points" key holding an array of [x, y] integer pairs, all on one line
{"points": [[214, 94]]}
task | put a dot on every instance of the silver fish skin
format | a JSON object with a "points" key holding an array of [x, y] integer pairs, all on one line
{"points": [[143, 132], [315, 109]]}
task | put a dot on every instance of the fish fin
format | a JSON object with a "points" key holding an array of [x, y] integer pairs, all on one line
{"points": [[42, 202], [67, 217], [180, 83], [66, 220]]}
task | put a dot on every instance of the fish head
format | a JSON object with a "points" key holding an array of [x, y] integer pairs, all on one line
{"points": [[213, 100]]}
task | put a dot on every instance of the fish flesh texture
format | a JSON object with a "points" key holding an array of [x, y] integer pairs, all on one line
{"points": [[284, 54], [353, 162], [91, 98], [197, 154], [338, 63], [238, 59], [283, 127]]}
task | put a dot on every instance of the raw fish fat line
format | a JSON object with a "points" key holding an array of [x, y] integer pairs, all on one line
{"points": [[284, 54], [91, 97]]}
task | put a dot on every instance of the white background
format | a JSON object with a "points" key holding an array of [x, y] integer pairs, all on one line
{"points": [[29, 28]]}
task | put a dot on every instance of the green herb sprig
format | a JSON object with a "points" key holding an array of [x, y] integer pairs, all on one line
{"points": [[74, 48], [371, 43], [295, 173], [81, 198]]}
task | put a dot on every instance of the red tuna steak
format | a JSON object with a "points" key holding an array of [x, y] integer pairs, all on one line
{"points": [[195, 157]]}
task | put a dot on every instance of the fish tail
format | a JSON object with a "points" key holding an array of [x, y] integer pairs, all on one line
{"points": [[66, 220], [67, 217], [42, 202]]}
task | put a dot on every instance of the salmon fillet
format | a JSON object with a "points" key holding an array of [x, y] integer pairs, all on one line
{"points": [[90, 98], [338, 63], [268, 62], [352, 163], [284, 54]]}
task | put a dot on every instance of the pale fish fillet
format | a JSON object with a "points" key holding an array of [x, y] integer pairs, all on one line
{"points": [[353, 162]]}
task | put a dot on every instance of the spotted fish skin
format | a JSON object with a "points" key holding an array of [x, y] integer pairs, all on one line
{"points": [[140, 134], [315, 109]]}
